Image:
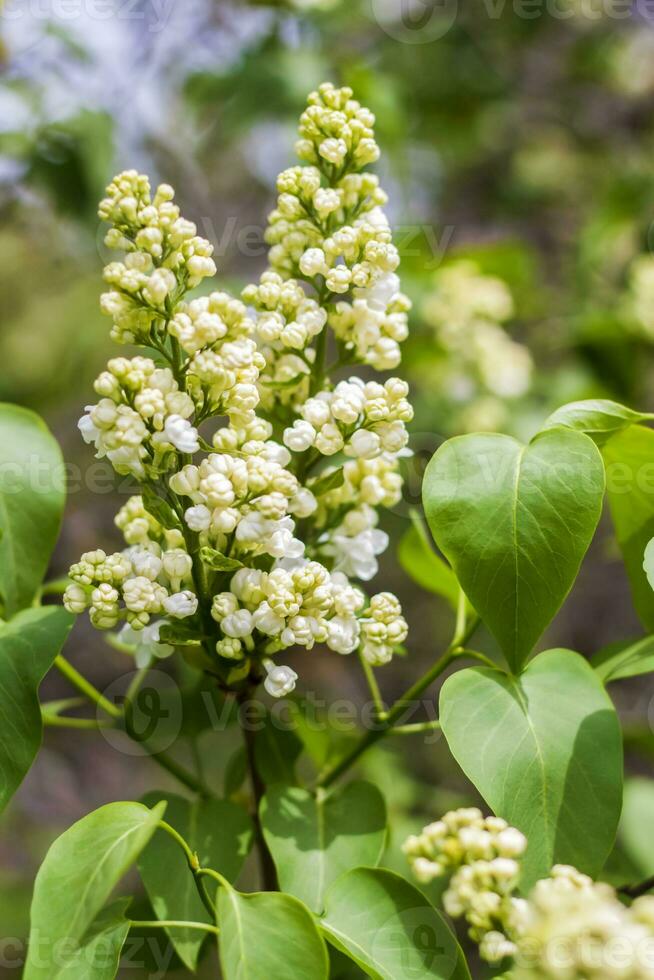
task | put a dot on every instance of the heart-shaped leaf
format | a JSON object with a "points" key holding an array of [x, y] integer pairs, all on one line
{"points": [[29, 644], [314, 838], [389, 929], [221, 834], [599, 418], [515, 522], [268, 935], [79, 872], [32, 498], [629, 460], [545, 752]]}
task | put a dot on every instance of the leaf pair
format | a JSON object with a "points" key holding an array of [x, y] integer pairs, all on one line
{"points": [[325, 847], [220, 833], [376, 918]]}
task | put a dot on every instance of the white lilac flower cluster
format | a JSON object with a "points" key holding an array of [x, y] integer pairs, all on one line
{"points": [[480, 857], [483, 365], [247, 531], [577, 929], [133, 586], [568, 927]]}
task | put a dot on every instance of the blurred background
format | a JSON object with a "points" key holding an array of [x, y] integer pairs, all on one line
{"points": [[518, 153]]}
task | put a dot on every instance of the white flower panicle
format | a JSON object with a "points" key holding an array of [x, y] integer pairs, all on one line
{"points": [[567, 928], [248, 533]]}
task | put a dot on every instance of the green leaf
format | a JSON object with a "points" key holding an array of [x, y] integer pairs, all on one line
{"points": [[629, 460], [220, 833], [599, 418], [389, 928], [32, 499], [330, 481], [314, 838], [29, 644], [276, 751], [268, 935], [637, 822], [545, 752], [421, 563], [625, 659], [159, 508], [219, 562], [79, 872], [98, 956], [515, 522]]}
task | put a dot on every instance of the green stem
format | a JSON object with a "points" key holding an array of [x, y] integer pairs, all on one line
{"points": [[161, 758], [175, 924], [193, 864], [462, 632], [373, 686], [56, 586], [173, 767], [135, 685], [59, 721], [210, 873], [416, 729], [635, 891], [81, 683], [268, 870], [481, 657], [191, 856]]}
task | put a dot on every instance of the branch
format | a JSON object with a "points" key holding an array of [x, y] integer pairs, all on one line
{"points": [[81, 683], [175, 924], [193, 863], [462, 633], [268, 870], [162, 758], [635, 891], [417, 729]]}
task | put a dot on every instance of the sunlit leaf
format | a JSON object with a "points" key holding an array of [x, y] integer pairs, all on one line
{"points": [[545, 752]]}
